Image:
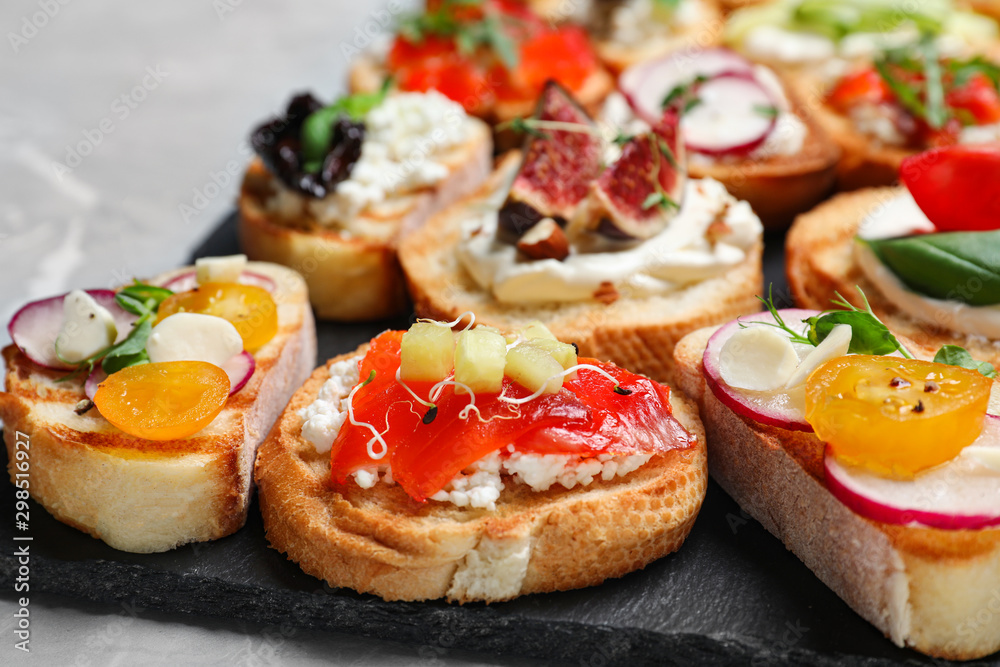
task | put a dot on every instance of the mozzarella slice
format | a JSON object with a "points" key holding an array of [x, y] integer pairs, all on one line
{"points": [[988, 456], [219, 269], [87, 327], [836, 344], [194, 337], [757, 358]]}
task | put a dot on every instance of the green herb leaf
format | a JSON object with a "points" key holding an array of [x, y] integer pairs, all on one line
{"points": [[955, 266], [769, 111], [953, 355], [907, 95], [144, 292], [868, 334], [130, 303], [130, 351], [937, 114], [779, 322], [317, 129], [653, 199]]}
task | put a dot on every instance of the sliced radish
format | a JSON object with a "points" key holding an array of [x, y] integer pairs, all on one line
{"points": [[773, 408], [96, 377], [36, 326], [961, 494], [646, 85], [239, 368], [732, 116], [188, 280]]}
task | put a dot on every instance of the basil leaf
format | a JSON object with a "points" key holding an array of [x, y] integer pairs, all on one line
{"points": [[116, 363], [937, 115], [955, 266], [129, 351], [953, 355], [868, 334]]}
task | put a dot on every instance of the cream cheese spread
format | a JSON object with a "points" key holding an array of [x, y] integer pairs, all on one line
{"points": [[684, 253], [637, 21], [405, 138]]}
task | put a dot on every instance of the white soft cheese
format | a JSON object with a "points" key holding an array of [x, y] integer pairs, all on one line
{"points": [[405, 138], [980, 134], [680, 255], [219, 269], [896, 216], [877, 121], [194, 337], [768, 42], [87, 327], [322, 419]]}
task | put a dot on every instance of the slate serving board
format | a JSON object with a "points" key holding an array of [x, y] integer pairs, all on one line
{"points": [[731, 595]]}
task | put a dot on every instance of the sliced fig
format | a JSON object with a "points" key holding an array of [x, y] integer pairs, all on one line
{"points": [[557, 169], [637, 196]]}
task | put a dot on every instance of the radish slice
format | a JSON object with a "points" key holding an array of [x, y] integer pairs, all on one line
{"points": [[36, 326], [187, 281], [731, 117], [646, 84], [239, 368], [773, 408], [961, 494], [96, 377]]}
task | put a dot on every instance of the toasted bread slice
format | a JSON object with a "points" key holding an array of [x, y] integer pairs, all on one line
{"points": [[355, 276], [705, 33], [145, 496], [781, 186], [820, 262], [381, 541], [635, 333], [937, 591]]}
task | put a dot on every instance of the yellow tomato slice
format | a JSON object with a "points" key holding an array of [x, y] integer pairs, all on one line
{"points": [[163, 401], [895, 416], [250, 308]]}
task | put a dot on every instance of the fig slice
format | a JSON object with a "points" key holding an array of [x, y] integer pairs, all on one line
{"points": [[636, 197], [557, 168]]}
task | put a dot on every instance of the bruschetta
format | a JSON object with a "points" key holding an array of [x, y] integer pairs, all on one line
{"points": [[604, 239], [477, 467], [335, 187], [881, 472], [135, 415]]}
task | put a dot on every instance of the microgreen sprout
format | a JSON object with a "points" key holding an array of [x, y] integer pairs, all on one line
{"points": [[376, 436], [449, 325], [568, 371]]}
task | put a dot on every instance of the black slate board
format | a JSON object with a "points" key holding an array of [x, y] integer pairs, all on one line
{"points": [[731, 596]]}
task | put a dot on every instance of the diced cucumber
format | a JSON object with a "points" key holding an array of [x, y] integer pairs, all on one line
{"points": [[427, 353], [480, 359], [532, 367]]}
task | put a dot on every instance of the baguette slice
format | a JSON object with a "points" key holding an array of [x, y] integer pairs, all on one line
{"points": [[144, 496], [937, 591], [638, 334], [380, 541], [355, 276], [820, 262], [781, 186]]}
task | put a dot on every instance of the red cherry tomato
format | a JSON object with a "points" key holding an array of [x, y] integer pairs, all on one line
{"points": [[979, 97], [955, 186], [862, 86]]}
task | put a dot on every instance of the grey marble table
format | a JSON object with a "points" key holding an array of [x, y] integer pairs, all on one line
{"points": [[123, 132]]}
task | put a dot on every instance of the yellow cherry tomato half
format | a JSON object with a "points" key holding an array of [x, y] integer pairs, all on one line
{"points": [[893, 416], [250, 308], [163, 401]]}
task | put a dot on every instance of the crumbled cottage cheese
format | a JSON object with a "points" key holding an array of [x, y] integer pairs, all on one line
{"points": [[405, 137], [480, 484]]}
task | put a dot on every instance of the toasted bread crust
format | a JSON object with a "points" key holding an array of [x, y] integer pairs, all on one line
{"points": [[925, 588], [820, 262], [354, 277], [635, 333], [144, 496], [382, 542], [782, 186]]}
